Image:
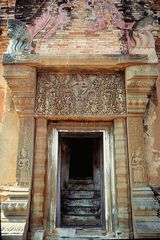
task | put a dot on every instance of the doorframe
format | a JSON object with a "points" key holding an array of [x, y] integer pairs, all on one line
{"points": [[108, 169]]}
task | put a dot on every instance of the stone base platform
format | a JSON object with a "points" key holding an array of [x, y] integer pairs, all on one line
{"points": [[13, 212]]}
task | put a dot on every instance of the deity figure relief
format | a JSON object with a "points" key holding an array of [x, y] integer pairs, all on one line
{"points": [[24, 168], [138, 167]]}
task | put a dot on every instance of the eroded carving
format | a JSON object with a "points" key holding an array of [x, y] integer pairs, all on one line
{"points": [[20, 42], [80, 94], [152, 153], [104, 13], [24, 167], [50, 21], [136, 141], [25, 148], [138, 167], [141, 38]]}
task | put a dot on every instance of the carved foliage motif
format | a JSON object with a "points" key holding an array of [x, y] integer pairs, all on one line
{"points": [[80, 94]]}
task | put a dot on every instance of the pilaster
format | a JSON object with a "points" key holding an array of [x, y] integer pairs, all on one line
{"points": [[21, 81], [39, 171], [122, 178], [139, 82]]}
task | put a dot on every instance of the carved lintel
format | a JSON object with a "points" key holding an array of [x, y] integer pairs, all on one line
{"points": [[80, 94]]}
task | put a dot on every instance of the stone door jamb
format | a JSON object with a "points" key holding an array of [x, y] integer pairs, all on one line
{"points": [[108, 175]]}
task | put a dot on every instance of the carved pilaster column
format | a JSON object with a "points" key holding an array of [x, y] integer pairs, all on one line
{"points": [[21, 80], [139, 82]]}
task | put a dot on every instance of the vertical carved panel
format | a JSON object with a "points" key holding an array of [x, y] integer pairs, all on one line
{"points": [[25, 151], [136, 146]]}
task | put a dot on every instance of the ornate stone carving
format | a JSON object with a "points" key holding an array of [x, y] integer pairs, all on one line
{"points": [[40, 23], [24, 104], [12, 228], [20, 42], [18, 208], [80, 94], [24, 167], [138, 167], [51, 21], [136, 141], [141, 38], [22, 83], [25, 147], [156, 156], [109, 15]]}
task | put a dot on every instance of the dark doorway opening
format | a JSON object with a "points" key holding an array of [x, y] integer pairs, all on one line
{"points": [[81, 179], [81, 158]]}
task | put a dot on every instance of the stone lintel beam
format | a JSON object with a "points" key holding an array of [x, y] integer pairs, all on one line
{"points": [[21, 80], [139, 82], [78, 61]]}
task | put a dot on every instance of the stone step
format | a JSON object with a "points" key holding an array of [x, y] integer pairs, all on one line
{"points": [[81, 210], [80, 220], [80, 186], [77, 238], [81, 202], [81, 181], [80, 194]]}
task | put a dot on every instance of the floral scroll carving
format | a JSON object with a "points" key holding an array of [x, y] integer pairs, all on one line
{"points": [[80, 94]]}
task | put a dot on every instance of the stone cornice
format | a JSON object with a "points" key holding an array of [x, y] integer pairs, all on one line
{"points": [[77, 61], [21, 80]]}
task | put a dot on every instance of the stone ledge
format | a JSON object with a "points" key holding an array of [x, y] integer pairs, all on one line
{"points": [[77, 61]]}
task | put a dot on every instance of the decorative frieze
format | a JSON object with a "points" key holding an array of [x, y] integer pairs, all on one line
{"points": [[80, 94]]}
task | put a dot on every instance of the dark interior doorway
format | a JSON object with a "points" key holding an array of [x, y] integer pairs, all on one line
{"points": [[81, 158], [80, 179]]}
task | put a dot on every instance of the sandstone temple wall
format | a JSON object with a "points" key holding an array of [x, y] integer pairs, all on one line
{"points": [[51, 48]]}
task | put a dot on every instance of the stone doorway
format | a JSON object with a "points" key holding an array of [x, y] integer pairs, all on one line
{"points": [[80, 156], [84, 194]]}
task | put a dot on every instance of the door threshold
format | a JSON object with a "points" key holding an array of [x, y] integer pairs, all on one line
{"points": [[80, 232]]}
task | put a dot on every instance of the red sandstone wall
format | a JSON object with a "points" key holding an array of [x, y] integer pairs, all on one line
{"points": [[152, 140], [78, 35]]}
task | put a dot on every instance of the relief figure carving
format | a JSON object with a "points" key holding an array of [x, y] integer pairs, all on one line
{"points": [[80, 94], [24, 168], [138, 167]]}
